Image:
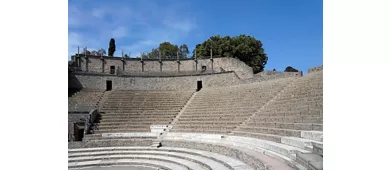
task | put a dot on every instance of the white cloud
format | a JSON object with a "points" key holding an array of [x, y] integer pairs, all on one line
{"points": [[119, 32], [136, 27]]}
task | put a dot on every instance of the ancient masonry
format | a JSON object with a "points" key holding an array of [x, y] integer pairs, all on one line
{"points": [[192, 114]]}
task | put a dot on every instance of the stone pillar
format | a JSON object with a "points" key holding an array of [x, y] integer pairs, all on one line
{"points": [[86, 59], [196, 63], [78, 62], [142, 64], [123, 62], [212, 61], [178, 62], [159, 54], [101, 58]]}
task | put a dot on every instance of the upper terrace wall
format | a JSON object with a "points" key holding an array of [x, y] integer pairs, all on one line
{"points": [[95, 64], [315, 69], [96, 81]]}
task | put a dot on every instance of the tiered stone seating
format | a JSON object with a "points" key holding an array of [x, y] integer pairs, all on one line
{"points": [[293, 118], [220, 110], [84, 100], [297, 109], [165, 157], [135, 111]]}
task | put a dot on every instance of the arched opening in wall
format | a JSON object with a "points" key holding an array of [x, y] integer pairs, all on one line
{"points": [[199, 85], [112, 69], [108, 85], [78, 131]]}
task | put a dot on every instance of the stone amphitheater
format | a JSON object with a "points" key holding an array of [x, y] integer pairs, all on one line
{"points": [[192, 114]]}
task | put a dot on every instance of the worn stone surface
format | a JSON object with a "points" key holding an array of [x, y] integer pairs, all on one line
{"points": [[109, 143], [223, 150]]}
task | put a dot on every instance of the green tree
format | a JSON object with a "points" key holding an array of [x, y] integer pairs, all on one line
{"points": [[111, 48], [244, 47], [168, 50], [183, 51], [126, 56], [290, 69]]}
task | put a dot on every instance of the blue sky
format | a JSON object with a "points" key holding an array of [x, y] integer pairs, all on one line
{"points": [[291, 31]]}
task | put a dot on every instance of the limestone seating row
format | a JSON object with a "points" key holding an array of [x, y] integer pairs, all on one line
{"points": [[201, 119], [299, 142], [127, 126], [263, 136], [309, 113], [140, 100], [216, 117], [207, 121], [273, 131], [287, 119], [203, 131], [133, 121], [84, 100], [221, 110], [295, 126], [281, 152], [290, 109], [293, 99], [223, 104], [140, 115], [171, 158], [121, 118], [140, 129]]}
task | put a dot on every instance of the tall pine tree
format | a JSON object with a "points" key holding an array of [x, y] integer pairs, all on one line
{"points": [[111, 48]]}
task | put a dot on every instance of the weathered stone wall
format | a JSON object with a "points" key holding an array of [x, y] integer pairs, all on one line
{"points": [[270, 75], [134, 65], [155, 83], [110, 143], [76, 117], [315, 69]]}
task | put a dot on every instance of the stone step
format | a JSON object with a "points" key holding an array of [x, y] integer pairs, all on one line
{"points": [[312, 135], [318, 148], [203, 158], [206, 131], [124, 130], [311, 113], [215, 115], [207, 122], [135, 120], [288, 119], [98, 163], [310, 161], [201, 119], [300, 142], [204, 126], [113, 127], [270, 137], [295, 126], [273, 131]]}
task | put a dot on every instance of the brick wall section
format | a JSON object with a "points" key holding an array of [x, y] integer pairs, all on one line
{"points": [[155, 83], [134, 65]]}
